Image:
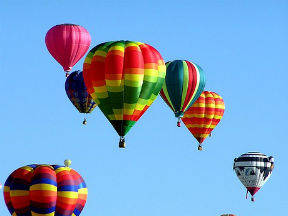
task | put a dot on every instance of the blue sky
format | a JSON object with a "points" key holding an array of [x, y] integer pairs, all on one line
{"points": [[242, 47]]}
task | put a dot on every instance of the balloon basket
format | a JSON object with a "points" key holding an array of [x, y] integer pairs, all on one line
{"points": [[179, 123], [200, 148], [84, 121], [122, 143]]}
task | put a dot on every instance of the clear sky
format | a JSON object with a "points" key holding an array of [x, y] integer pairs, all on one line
{"points": [[242, 47]]}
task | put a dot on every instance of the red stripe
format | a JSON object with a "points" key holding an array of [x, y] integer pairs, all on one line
{"points": [[191, 84]]}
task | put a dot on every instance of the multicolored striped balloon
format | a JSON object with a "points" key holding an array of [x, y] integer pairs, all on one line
{"points": [[45, 190], [184, 83], [77, 93], [123, 78], [203, 116], [253, 170]]}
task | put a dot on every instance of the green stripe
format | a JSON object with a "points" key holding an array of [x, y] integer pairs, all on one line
{"points": [[185, 83], [167, 95]]}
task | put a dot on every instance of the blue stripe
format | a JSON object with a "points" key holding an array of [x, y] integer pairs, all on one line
{"points": [[77, 212], [56, 167], [68, 188], [43, 181], [40, 210]]}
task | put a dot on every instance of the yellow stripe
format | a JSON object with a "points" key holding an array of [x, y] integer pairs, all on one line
{"points": [[47, 187], [128, 111], [60, 169], [100, 89], [100, 53], [83, 191], [151, 72], [68, 194], [27, 168], [134, 77], [36, 214], [139, 106], [197, 126], [87, 61], [152, 79], [133, 83], [202, 135], [210, 105], [220, 106], [121, 48], [132, 44], [14, 193], [113, 82], [118, 117]]}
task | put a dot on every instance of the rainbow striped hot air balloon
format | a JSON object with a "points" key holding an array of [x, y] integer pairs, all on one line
{"points": [[203, 116], [45, 190], [183, 84], [123, 78]]}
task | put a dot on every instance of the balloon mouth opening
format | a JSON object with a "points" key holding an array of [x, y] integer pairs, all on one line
{"points": [[67, 69], [179, 114]]}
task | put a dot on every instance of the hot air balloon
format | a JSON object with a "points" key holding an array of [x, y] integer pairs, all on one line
{"points": [[203, 116], [45, 190], [77, 93], [183, 85], [228, 215], [253, 169], [123, 78], [67, 43]]}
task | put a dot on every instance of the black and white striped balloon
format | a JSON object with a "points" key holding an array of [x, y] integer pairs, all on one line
{"points": [[253, 169]]}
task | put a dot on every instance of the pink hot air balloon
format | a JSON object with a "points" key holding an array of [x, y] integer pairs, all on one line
{"points": [[67, 43]]}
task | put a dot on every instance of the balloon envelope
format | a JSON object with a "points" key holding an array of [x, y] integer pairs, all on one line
{"points": [[203, 116], [45, 190], [184, 82], [123, 78], [253, 170], [67, 43], [77, 93]]}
